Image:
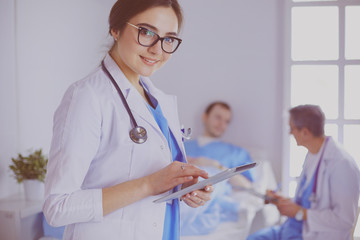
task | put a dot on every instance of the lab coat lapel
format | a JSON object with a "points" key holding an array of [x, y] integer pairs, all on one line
{"points": [[138, 106], [135, 101], [168, 104], [323, 166]]}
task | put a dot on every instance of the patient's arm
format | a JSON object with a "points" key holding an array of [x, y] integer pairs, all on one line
{"points": [[204, 162], [240, 181]]}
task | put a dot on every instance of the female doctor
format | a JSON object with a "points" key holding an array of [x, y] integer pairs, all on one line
{"points": [[102, 180]]}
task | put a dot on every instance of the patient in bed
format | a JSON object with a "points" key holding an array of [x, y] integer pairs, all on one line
{"points": [[214, 155]]}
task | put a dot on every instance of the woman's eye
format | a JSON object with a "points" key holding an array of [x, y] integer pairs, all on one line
{"points": [[169, 40], [146, 32]]}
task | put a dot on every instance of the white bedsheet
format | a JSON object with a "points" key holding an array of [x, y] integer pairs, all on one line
{"points": [[253, 213]]}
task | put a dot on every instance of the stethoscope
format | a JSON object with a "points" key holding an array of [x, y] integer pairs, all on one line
{"points": [[312, 197], [138, 134]]}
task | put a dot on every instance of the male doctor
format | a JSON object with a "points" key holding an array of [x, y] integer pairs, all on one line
{"points": [[326, 199]]}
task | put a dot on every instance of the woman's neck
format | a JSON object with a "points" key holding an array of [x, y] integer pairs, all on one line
{"points": [[132, 77]]}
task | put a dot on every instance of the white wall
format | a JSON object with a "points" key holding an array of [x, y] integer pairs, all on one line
{"points": [[8, 96], [230, 52], [59, 42]]}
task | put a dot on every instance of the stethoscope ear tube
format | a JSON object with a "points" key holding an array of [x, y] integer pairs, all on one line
{"points": [[137, 134]]}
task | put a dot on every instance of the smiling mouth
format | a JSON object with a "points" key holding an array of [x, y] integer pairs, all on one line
{"points": [[149, 61]]}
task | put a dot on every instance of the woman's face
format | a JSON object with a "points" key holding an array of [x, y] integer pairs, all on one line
{"points": [[134, 59]]}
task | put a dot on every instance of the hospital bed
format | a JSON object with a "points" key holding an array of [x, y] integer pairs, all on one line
{"points": [[253, 214]]}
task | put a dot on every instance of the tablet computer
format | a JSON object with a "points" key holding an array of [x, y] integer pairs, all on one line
{"points": [[221, 176]]}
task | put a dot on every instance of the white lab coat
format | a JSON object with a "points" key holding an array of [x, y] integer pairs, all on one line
{"points": [[91, 149], [332, 215]]}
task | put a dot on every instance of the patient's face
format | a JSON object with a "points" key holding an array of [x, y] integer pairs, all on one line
{"points": [[216, 121]]}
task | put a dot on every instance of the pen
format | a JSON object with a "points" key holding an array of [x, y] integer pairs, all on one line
{"points": [[269, 199]]}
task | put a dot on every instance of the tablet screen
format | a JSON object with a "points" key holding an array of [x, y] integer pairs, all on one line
{"points": [[221, 176]]}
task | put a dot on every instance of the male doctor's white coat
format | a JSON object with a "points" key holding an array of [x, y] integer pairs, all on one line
{"points": [[91, 149], [333, 213]]}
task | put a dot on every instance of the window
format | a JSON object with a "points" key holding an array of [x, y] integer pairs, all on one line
{"points": [[322, 67]]}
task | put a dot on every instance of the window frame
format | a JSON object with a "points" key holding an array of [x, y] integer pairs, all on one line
{"points": [[341, 62]]}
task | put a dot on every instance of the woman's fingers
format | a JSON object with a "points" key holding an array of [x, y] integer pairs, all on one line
{"points": [[172, 175], [209, 188], [188, 175], [190, 203], [189, 170], [199, 197], [194, 201]]}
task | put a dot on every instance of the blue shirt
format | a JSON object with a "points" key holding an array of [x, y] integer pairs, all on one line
{"points": [[172, 215]]}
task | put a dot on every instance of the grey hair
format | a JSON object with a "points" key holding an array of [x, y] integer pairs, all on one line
{"points": [[309, 116]]}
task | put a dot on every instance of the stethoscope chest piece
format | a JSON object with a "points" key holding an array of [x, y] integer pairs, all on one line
{"points": [[138, 134]]}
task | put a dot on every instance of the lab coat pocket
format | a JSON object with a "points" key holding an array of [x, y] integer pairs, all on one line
{"points": [[109, 229]]}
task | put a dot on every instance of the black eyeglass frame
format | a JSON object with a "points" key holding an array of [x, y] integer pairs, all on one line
{"points": [[158, 38]]}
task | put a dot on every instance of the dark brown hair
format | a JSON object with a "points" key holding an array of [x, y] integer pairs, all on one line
{"points": [[124, 10], [212, 105], [309, 116]]}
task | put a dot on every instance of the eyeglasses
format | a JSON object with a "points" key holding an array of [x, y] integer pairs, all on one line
{"points": [[148, 38]]}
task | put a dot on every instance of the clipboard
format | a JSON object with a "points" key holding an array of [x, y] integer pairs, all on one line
{"points": [[226, 174]]}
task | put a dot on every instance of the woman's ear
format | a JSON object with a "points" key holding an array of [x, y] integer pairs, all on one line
{"points": [[115, 34]]}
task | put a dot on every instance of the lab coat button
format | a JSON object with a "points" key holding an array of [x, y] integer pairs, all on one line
{"points": [[154, 224], [162, 147]]}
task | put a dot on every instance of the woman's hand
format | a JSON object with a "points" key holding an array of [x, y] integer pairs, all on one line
{"points": [[198, 197], [172, 175]]}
